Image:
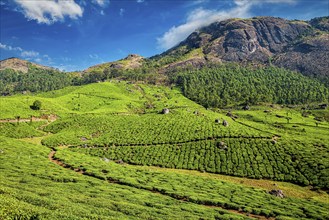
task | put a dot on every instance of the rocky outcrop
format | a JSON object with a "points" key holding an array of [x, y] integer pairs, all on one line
{"points": [[293, 44], [20, 65], [132, 61], [277, 193]]}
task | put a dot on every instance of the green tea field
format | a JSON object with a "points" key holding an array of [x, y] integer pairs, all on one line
{"points": [[122, 150]]}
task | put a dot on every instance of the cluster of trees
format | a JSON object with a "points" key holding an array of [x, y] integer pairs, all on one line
{"points": [[228, 85], [35, 80]]}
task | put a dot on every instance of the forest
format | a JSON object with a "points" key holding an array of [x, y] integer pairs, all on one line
{"points": [[35, 80], [228, 85]]}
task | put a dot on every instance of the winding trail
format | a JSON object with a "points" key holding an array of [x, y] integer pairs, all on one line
{"points": [[54, 160]]}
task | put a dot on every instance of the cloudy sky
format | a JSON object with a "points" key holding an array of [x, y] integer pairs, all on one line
{"points": [[75, 34]]}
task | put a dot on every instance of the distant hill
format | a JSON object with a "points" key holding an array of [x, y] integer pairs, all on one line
{"points": [[132, 61], [22, 76], [20, 65]]}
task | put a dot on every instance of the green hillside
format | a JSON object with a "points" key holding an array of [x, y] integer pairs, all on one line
{"points": [[106, 151]]}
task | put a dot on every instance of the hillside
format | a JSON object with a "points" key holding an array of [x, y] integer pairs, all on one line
{"points": [[21, 65], [132, 61], [301, 46], [111, 144]]}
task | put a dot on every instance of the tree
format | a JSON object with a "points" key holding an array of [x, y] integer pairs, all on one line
{"points": [[36, 105]]}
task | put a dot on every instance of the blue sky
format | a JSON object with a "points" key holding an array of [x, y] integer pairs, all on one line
{"points": [[75, 34]]}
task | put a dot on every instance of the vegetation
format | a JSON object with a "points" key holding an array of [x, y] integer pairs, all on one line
{"points": [[195, 189], [229, 85], [109, 136], [181, 126], [253, 158], [33, 188], [36, 105], [35, 80]]}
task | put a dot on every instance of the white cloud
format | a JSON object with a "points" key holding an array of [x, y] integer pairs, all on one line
{"points": [[102, 3], [50, 11], [202, 17], [140, 1], [10, 48], [197, 19], [26, 54], [93, 56], [38, 60], [122, 11], [29, 54]]}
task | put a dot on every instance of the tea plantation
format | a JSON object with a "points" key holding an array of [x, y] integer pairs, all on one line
{"points": [[106, 151]]}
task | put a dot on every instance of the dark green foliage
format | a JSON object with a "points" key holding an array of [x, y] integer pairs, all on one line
{"points": [[36, 105], [35, 80], [228, 85]]}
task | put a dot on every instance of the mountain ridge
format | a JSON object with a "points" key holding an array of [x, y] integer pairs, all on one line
{"points": [[297, 45], [293, 44]]}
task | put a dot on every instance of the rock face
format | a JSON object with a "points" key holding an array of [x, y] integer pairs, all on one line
{"points": [[296, 45], [277, 193], [165, 111], [309, 56], [20, 65]]}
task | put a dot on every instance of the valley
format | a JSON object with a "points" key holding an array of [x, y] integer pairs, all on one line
{"points": [[229, 122]]}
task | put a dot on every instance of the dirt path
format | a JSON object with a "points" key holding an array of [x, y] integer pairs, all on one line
{"points": [[50, 118], [53, 159]]}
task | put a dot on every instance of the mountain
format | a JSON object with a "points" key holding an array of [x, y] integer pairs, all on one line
{"points": [[297, 45], [20, 65]]}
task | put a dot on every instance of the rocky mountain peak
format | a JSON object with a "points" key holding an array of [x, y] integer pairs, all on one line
{"points": [[134, 57]]}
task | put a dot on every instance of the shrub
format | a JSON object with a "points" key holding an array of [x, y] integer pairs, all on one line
{"points": [[36, 105]]}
